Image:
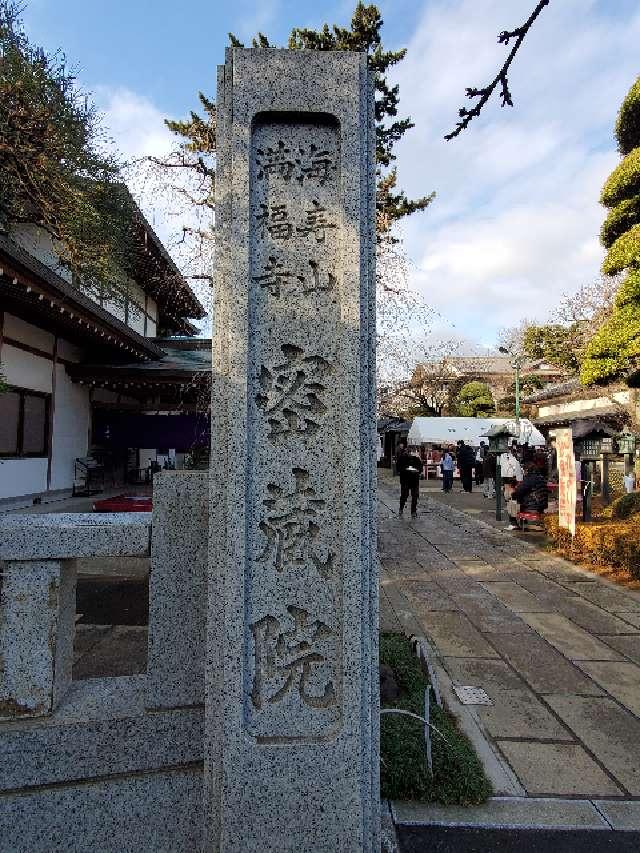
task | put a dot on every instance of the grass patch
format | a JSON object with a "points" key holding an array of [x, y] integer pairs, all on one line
{"points": [[458, 777]]}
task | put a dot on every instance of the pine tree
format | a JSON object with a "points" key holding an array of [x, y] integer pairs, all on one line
{"points": [[199, 134], [614, 350]]}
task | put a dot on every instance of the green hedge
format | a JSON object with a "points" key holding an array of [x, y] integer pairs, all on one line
{"points": [[620, 219], [624, 181], [626, 506], [628, 123], [613, 347], [624, 253]]}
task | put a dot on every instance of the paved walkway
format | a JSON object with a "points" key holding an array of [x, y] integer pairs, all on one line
{"points": [[556, 649]]}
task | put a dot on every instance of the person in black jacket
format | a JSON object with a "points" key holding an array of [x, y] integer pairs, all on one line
{"points": [[409, 466], [532, 493], [466, 459]]}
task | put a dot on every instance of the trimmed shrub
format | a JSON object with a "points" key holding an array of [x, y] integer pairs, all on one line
{"points": [[612, 543], [626, 506], [624, 181], [620, 219], [628, 122], [624, 253], [611, 350], [629, 291]]}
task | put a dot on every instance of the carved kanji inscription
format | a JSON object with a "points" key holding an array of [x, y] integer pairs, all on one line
{"points": [[292, 393], [293, 658], [291, 528]]}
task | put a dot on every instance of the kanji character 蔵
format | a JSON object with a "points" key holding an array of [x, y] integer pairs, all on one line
{"points": [[291, 528]]}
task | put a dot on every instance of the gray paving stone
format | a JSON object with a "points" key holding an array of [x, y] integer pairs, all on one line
{"points": [[620, 679], [591, 617], [615, 600], [562, 769], [629, 646], [515, 596], [516, 712], [573, 642], [625, 815], [630, 617], [541, 666], [608, 731], [454, 635]]}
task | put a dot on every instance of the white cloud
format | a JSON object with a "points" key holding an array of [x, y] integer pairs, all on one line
{"points": [[134, 122], [137, 128], [516, 220]]}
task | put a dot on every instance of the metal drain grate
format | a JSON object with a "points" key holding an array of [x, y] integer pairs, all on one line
{"points": [[472, 695]]}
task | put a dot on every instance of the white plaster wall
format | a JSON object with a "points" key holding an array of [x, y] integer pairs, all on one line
{"points": [[151, 329], [26, 370], [39, 244], [577, 406], [152, 309], [19, 330], [70, 428], [22, 477], [136, 318]]}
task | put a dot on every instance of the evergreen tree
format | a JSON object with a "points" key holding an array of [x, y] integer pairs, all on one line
{"points": [[53, 169], [199, 134], [614, 350], [475, 400]]}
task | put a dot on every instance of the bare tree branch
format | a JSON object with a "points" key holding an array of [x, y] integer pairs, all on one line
{"points": [[501, 78]]}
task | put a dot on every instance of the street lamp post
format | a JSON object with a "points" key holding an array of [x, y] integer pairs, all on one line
{"points": [[516, 365]]}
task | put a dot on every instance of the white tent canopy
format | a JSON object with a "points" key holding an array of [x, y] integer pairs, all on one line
{"points": [[470, 430]]}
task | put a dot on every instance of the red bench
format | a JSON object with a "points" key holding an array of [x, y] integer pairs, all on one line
{"points": [[529, 517]]}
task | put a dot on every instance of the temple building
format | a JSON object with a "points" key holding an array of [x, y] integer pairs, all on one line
{"points": [[96, 390]]}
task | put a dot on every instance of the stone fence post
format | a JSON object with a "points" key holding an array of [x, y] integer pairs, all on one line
{"points": [[292, 744], [38, 598]]}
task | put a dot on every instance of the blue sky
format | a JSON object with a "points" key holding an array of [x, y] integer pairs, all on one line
{"points": [[516, 220]]}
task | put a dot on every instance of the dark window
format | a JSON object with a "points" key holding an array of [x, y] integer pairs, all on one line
{"points": [[24, 423], [9, 422]]}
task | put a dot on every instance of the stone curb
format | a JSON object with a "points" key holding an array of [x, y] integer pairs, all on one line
{"points": [[502, 778]]}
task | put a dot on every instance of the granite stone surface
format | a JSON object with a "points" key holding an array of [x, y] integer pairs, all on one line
{"points": [[150, 813], [52, 536], [291, 667], [32, 755], [177, 589], [37, 609]]}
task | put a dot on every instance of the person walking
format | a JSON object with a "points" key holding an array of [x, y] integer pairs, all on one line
{"points": [[466, 461], [409, 465], [479, 463], [447, 465], [489, 475]]}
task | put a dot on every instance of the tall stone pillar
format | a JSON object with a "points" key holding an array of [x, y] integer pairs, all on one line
{"points": [[291, 672]]}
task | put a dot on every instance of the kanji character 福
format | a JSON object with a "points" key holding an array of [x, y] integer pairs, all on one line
{"points": [[275, 221]]}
